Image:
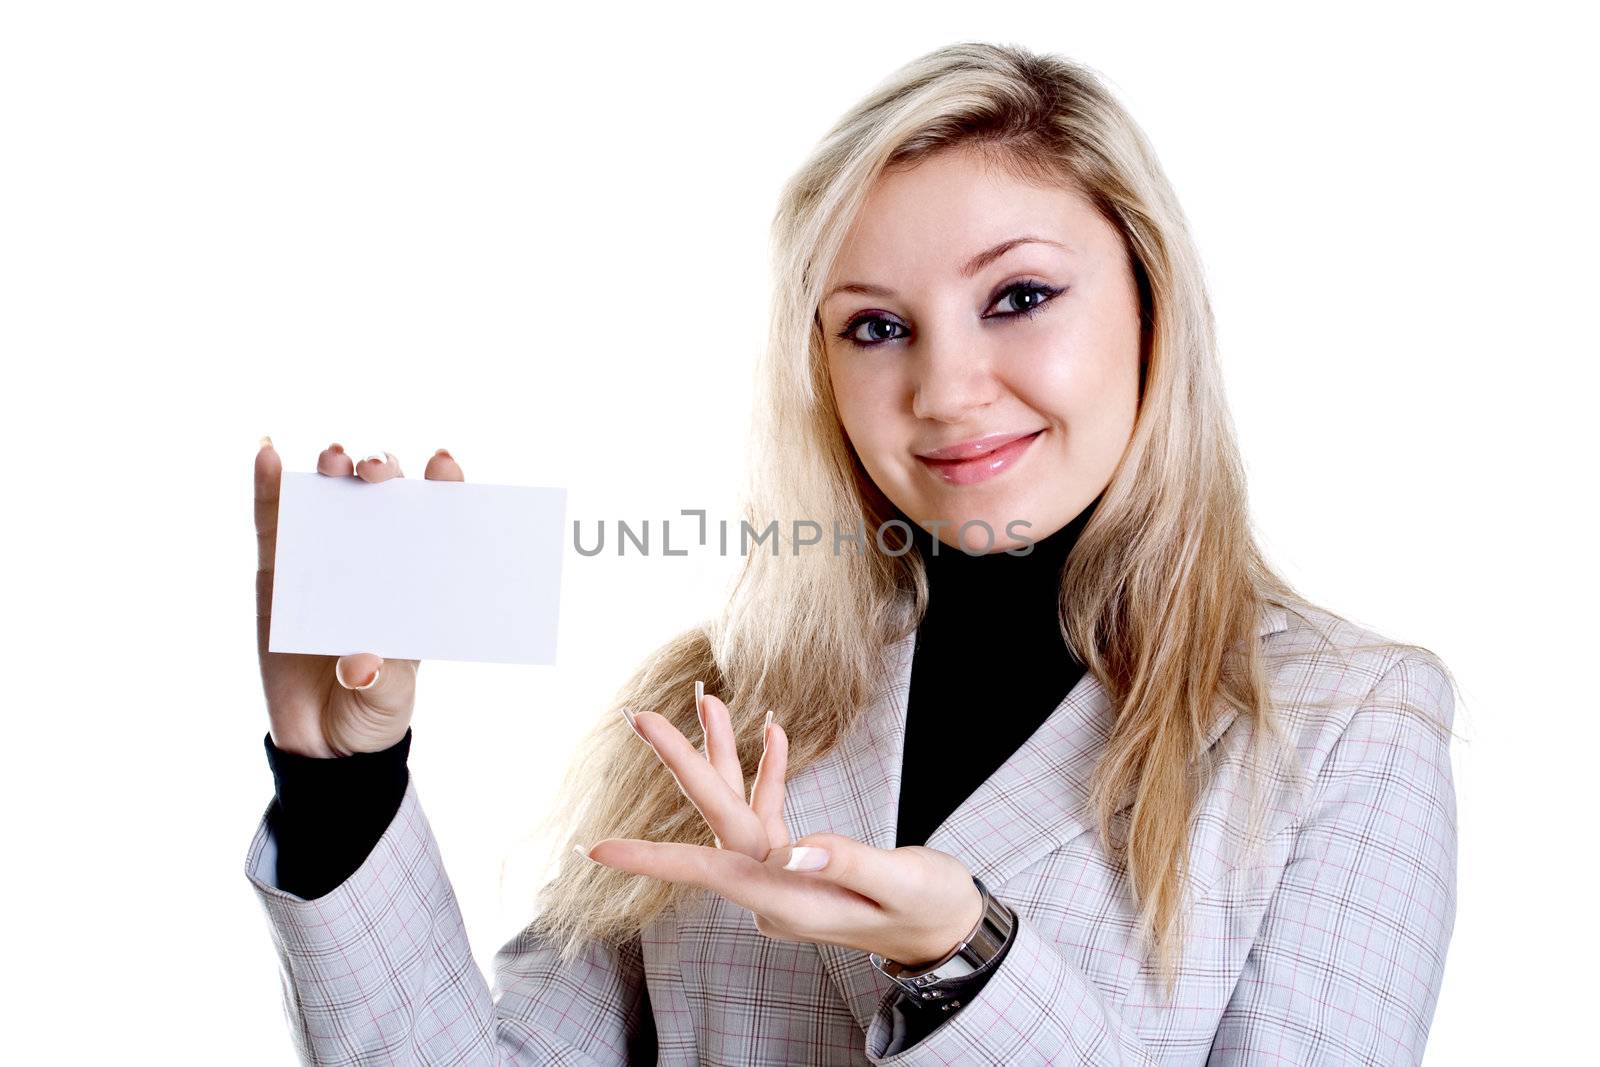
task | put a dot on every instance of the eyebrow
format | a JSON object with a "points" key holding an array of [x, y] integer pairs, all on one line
{"points": [[971, 267]]}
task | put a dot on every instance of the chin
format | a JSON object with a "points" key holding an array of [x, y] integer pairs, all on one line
{"points": [[996, 518]]}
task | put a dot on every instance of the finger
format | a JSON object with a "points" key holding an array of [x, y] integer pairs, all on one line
{"points": [[716, 723], [723, 809], [745, 880], [879, 874], [766, 796], [814, 909], [442, 467], [268, 477], [334, 462], [378, 467]]}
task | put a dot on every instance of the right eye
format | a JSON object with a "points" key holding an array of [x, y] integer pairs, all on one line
{"points": [[876, 334]]}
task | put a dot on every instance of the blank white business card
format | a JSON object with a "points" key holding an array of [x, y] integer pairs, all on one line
{"points": [[416, 569]]}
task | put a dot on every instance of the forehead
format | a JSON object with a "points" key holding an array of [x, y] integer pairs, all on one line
{"points": [[935, 215]]}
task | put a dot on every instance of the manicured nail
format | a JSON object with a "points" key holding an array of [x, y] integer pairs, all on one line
{"points": [[266, 442], [806, 858], [376, 457], [699, 695], [633, 722], [368, 684], [584, 852]]}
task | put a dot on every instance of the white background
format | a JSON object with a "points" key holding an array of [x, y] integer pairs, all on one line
{"points": [[537, 235]]}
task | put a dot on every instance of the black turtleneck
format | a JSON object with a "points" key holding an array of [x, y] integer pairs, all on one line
{"points": [[989, 667]]}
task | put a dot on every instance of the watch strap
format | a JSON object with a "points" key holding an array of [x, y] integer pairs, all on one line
{"points": [[965, 968]]}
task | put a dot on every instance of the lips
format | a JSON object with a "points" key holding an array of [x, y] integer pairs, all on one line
{"points": [[979, 459], [976, 446]]}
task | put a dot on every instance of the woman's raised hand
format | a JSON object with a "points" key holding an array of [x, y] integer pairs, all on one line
{"points": [[912, 904], [327, 705]]}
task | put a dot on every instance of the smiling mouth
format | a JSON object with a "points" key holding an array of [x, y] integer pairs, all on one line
{"points": [[981, 467]]}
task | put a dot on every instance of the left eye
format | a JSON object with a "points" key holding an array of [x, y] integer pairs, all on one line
{"points": [[1027, 297]]}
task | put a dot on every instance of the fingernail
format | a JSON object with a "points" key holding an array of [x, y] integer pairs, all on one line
{"points": [[806, 858], [699, 695], [338, 673], [633, 722], [266, 442], [769, 719], [336, 447], [444, 453], [376, 457], [584, 852]]}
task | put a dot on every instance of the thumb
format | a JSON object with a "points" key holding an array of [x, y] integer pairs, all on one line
{"points": [[875, 873], [360, 671], [386, 686]]}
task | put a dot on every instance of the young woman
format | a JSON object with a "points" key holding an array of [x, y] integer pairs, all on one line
{"points": [[1021, 753]]}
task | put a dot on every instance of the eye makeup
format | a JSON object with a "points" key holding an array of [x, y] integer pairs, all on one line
{"points": [[1025, 287]]}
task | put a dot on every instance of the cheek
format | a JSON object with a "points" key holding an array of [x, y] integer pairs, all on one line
{"points": [[865, 400], [1084, 378]]}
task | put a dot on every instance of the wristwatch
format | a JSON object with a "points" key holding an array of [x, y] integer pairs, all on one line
{"points": [[943, 981]]}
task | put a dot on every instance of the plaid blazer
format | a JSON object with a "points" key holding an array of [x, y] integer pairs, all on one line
{"points": [[1323, 945]]}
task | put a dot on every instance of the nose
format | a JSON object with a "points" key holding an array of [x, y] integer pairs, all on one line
{"points": [[952, 381]]}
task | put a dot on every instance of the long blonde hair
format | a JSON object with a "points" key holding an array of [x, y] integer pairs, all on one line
{"points": [[1161, 594]]}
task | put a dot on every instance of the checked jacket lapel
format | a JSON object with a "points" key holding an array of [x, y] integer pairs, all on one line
{"points": [[1037, 801]]}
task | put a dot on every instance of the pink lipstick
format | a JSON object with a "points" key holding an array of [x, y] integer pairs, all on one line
{"points": [[978, 459]]}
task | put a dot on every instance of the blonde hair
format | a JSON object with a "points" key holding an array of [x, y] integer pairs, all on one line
{"points": [[1161, 594]]}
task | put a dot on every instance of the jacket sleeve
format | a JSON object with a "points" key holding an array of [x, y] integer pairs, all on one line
{"points": [[379, 971], [1348, 958]]}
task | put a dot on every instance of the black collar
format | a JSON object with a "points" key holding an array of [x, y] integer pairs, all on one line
{"points": [[1025, 587]]}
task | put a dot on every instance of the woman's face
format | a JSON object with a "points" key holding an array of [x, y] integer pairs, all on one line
{"points": [[983, 345]]}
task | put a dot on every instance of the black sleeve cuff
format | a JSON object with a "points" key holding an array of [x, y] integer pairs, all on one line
{"points": [[922, 1019], [327, 814]]}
